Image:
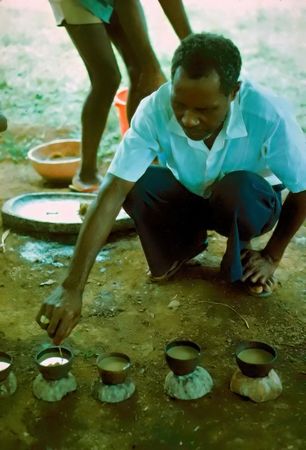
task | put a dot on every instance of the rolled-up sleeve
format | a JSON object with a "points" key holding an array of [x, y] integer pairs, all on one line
{"points": [[286, 154], [139, 146]]}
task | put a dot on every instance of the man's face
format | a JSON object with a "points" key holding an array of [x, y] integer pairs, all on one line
{"points": [[199, 105]]}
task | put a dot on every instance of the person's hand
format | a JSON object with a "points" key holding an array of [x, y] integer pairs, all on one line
{"points": [[258, 267], [60, 313]]}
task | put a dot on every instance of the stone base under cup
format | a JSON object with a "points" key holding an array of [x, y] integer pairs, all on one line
{"points": [[189, 387], [53, 390], [113, 393], [9, 385], [257, 389]]}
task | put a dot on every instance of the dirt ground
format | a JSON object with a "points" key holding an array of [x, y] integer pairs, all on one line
{"points": [[123, 311]]}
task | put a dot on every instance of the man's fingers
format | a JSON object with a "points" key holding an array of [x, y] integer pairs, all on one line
{"points": [[44, 322], [256, 277], [61, 324], [55, 320], [59, 314], [247, 274], [263, 280], [41, 312], [44, 315], [63, 331], [60, 335], [269, 284]]}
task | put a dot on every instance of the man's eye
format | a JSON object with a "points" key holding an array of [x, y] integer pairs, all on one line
{"points": [[206, 110]]}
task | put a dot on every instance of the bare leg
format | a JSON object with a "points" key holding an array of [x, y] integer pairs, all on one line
{"points": [[94, 47], [128, 31]]}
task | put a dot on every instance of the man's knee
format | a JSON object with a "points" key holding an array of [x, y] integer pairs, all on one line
{"points": [[154, 193], [105, 80], [246, 197], [240, 188]]}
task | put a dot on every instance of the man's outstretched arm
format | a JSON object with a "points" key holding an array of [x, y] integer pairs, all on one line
{"points": [[61, 311], [259, 266]]}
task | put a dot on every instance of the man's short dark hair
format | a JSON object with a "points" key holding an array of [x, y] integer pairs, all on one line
{"points": [[200, 53]]}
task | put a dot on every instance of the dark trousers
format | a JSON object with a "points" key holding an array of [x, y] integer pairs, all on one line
{"points": [[171, 221]]}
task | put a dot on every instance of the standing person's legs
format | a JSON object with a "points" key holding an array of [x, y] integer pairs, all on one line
{"points": [[169, 219], [94, 47], [243, 206], [128, 31]]}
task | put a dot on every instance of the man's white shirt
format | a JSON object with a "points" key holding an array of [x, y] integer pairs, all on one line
{"points": [[260, 134]]}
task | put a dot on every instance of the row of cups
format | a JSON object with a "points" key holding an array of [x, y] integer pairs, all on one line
{"points": [[255, 359]]}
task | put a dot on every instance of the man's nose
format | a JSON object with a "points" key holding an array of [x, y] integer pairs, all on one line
{"points": [[190, 119]]}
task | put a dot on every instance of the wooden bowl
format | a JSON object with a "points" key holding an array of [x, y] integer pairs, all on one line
{"points": [[56, 161], [255, 359], [113, 367], [54, 362], [6, 362], [182, 356]]}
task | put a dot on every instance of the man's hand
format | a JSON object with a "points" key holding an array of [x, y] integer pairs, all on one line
{"points": [[258, 267], [60, 313]]}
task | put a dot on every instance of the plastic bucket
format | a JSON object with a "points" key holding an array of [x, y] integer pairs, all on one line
{"points": [[120, 104]]}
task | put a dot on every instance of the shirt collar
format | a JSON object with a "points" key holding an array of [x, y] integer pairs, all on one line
{"points": [[234, 125]]}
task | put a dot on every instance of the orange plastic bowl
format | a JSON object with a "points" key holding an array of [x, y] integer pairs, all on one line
{"points": [[56, 161], [120, 102]]}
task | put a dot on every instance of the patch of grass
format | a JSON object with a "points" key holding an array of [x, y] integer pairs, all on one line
{"points": [[11, 149]]}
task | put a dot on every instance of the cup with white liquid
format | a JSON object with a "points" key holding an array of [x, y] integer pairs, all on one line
{"points": [[54, 362], [113, 367], [5, 365], [255, 359], [182, 356]]}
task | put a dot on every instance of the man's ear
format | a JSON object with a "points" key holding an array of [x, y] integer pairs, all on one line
{"points": [[234, 91]]}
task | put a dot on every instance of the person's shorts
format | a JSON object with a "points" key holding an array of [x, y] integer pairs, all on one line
{"points": [[72, 12]]}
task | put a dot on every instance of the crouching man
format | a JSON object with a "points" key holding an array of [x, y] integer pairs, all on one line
{"points": [[226, 149]]}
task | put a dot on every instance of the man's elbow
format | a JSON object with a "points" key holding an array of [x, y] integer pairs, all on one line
{"points": [[113, 191]]}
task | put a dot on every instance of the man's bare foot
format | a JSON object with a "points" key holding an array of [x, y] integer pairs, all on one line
{"points": [[89, 186]]}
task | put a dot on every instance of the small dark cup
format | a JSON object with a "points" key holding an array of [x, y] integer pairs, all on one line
{"points": [[262, 362], [54, 372], [113, 367], [5, 358], [180, 365]]}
